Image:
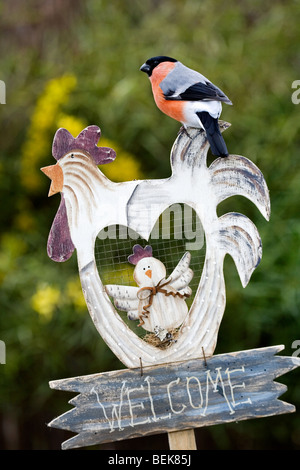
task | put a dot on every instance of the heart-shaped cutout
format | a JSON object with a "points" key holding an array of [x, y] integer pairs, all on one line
{"points": [[156, 298]]}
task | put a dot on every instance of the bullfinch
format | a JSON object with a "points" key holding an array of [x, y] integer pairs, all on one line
{"points": [[188, 97]]}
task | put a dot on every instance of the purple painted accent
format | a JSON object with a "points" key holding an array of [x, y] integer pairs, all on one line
{"points": [[139, 252], [87, 140], [60, 246]]}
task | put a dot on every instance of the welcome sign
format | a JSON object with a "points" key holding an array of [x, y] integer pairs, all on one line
{"points": [[128, 403]]}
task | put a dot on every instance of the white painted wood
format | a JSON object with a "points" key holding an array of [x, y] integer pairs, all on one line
{"points": [[92, 201], [138, 205]]}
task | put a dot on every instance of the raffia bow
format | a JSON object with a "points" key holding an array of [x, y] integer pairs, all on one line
{"points": [[152, 292]]}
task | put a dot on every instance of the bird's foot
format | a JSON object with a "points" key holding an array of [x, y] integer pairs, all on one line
{"points": [[183, 130]]}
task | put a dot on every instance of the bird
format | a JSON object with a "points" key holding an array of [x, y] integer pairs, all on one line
{"points": [[158, 302], [188, 97]]}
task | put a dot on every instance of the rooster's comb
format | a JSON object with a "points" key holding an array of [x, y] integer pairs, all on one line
{"points": [[87, 140], [139, 252]]}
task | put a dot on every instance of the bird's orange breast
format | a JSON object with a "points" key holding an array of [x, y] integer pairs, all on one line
{"points": [[174, 109]]}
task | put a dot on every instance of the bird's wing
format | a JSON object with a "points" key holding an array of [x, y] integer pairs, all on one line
{"points": [[184, 84], [202, 91], [182, 275], [125, 299]]}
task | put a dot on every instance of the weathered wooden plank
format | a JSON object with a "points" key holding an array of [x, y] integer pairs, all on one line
{"points": [[129, 403]]}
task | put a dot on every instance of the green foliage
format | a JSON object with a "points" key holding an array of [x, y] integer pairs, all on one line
{"points": [[78, 62]]}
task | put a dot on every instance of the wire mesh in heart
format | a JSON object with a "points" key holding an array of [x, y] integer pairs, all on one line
{"points": [[177, 231]]}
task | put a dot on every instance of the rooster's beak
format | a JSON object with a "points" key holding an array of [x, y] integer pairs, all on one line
{"points": [[55, 173]]}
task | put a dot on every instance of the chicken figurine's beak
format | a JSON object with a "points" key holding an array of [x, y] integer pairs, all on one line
{"points": [[55, 173], [149, 273]]}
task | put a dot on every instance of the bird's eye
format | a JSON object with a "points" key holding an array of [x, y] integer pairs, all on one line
{"points": [[72, 155]]}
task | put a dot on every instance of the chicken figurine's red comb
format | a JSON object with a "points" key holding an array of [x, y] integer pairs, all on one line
{"points": [[87, 140], [139, 252]]}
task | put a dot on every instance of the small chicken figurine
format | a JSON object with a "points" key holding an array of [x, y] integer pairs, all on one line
{"points": [[158, 302]]}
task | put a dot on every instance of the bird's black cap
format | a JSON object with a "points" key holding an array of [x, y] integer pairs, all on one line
{"points": [[150, 64]]}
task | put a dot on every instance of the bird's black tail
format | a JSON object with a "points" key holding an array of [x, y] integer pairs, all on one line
{"points": [[214, 136]]}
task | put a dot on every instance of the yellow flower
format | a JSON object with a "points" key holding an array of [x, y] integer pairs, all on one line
{"points": [[125, 167], [46, 116], [39, 135], [73, 124], [45, 300]]}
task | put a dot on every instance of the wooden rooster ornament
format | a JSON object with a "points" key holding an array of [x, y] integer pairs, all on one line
{"points": [[158, 302], [90, 202], [183, 385]]}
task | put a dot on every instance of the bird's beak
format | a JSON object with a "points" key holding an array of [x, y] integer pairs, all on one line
{"points": [[145, 68], [55, 173], [149, 273]]}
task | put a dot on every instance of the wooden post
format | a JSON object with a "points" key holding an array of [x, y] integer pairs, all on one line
{"points": [[182, 440]]}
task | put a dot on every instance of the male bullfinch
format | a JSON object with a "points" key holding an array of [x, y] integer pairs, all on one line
{"points": [[188, 97]]}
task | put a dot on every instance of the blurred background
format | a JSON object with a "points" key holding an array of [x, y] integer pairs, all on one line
{"points": [[74, 63]]}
